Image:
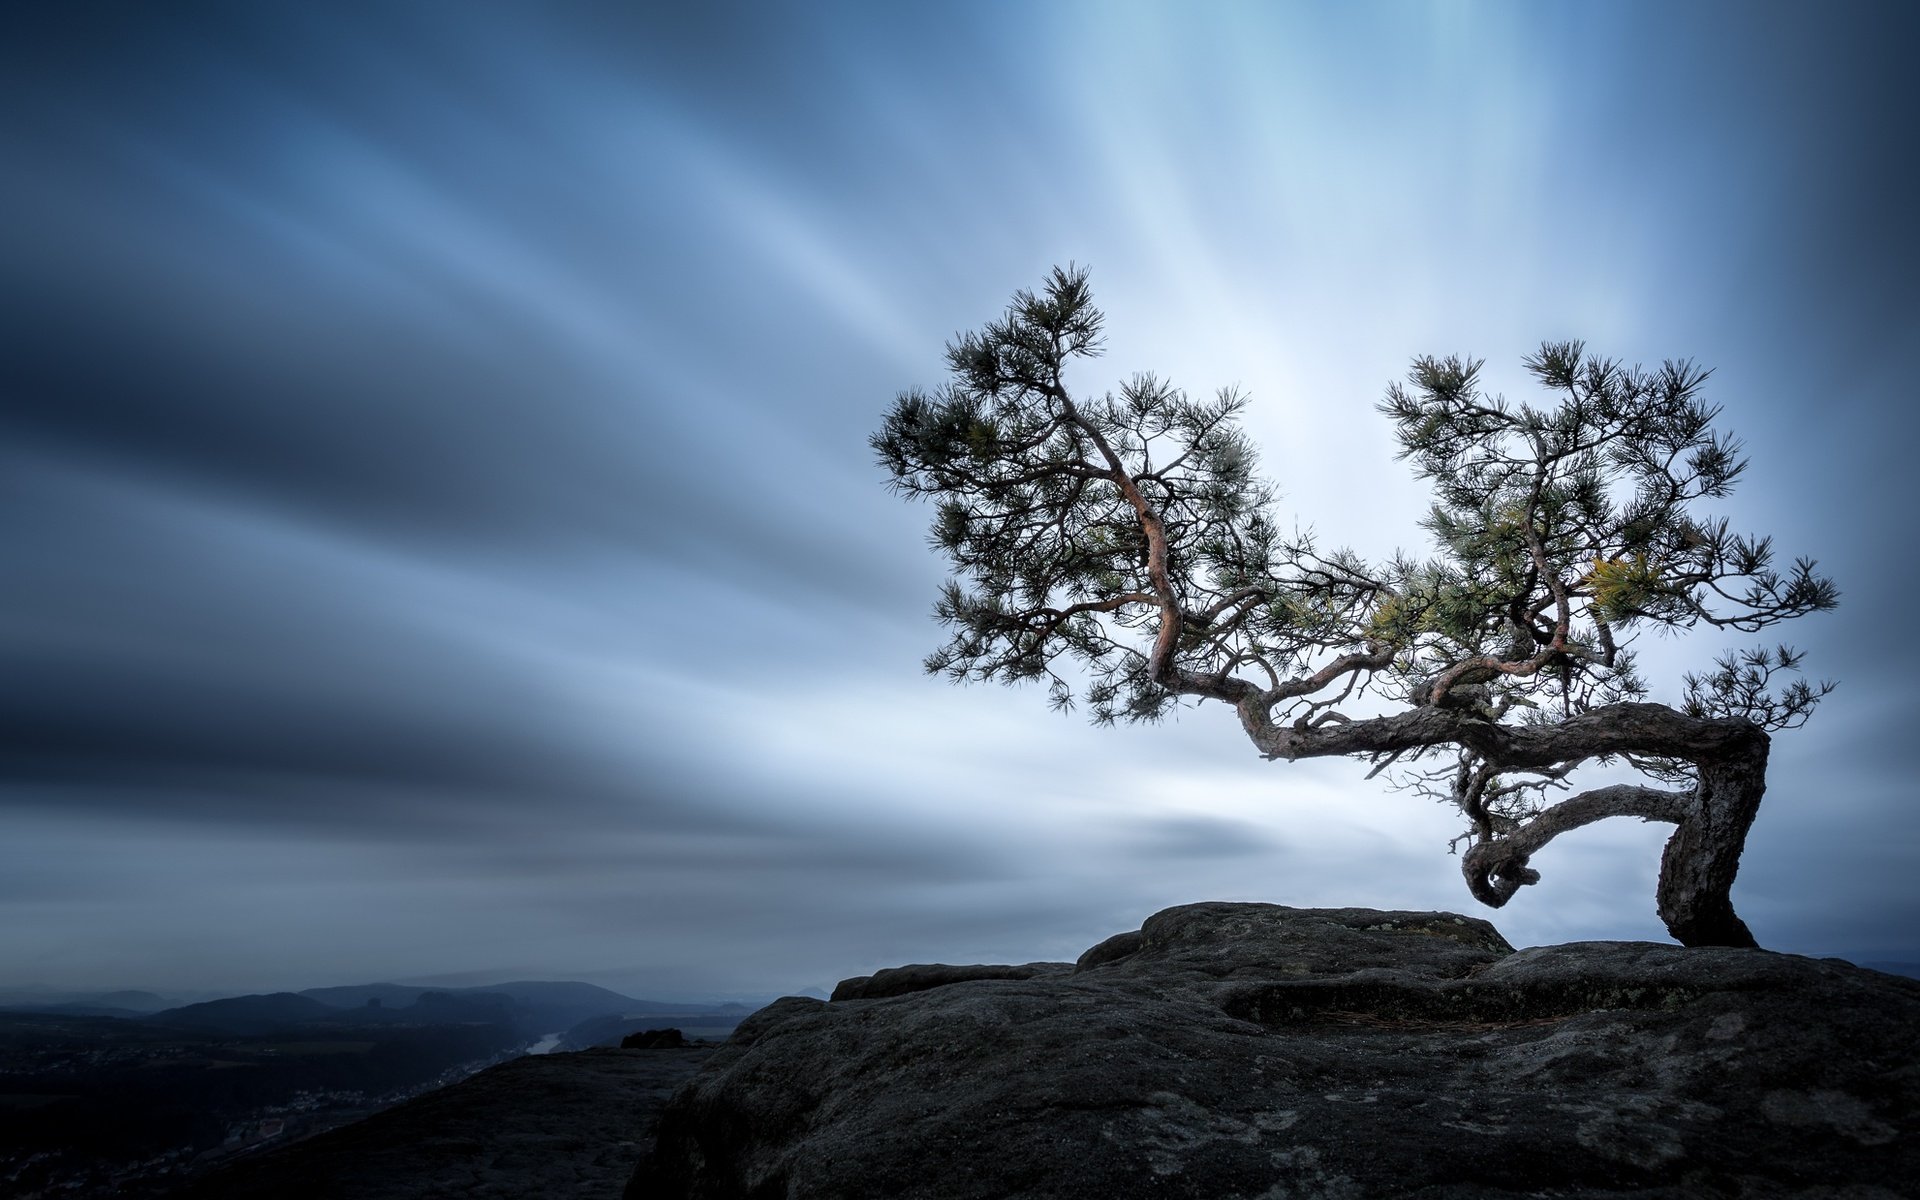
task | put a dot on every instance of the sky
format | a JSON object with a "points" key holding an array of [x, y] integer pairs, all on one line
{"points": [[439, 539]]}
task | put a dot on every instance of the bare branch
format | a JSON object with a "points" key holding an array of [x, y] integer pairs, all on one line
{"points": [[1497, 868]]}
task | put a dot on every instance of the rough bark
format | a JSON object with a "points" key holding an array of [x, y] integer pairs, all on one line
{"points": [[1701, 859], [1497, 868], [1652, 730], [1703, 856]]}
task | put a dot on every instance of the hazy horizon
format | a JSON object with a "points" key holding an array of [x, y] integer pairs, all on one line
{"points": [[17, 995], [608, 979], [441, 535]]}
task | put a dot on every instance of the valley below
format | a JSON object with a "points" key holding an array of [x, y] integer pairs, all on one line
{"points": [[144, 1105]]}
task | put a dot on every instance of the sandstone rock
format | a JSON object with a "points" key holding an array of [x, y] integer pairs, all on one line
{"points": [[1243, 1050], [918, 977], [654, 1039]]}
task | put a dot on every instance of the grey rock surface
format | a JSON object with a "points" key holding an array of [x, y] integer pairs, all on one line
{"points": [[918, 977], [1244, 1050], [546, 1125]]}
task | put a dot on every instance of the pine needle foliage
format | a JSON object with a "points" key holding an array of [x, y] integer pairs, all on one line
{"points": [[1122, 550]]}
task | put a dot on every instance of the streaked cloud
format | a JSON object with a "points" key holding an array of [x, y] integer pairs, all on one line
{"points": [[442, 536]]}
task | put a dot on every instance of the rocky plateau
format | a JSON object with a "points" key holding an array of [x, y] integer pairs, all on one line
{"points": [[1255, 1051]]}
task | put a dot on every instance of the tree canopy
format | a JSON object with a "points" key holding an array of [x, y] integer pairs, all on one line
{"points": [[1123, 551]]}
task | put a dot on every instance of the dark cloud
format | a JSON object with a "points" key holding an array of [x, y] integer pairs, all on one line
{"points": [[439, 531], [1200, 838]]}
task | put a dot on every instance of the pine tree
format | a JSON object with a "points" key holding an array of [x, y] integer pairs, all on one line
{"points": [[1122, 551]]}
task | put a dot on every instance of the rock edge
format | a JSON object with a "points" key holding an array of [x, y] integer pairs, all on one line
{"points": [[1247, 1050]]}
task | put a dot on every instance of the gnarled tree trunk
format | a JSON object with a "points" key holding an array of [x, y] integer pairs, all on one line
{"points": [[1701, 859], [1703, 856]]}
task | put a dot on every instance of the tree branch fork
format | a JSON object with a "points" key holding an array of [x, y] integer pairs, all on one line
{"points": [[1171, 582]]}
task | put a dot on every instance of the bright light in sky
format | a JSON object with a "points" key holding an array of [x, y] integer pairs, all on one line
{"points": [[444, 539]]}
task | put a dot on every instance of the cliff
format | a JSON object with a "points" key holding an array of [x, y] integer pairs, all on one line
{"points": [[1242, 1050], [1220, 1051]]}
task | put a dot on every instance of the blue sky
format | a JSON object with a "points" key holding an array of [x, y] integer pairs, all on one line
{"points": [[441, 537]]}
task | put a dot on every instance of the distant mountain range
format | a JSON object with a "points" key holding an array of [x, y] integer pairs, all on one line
{"points": [[569, 1001], [243, 1014], [532, 1007], [537, 1006], [122, 1003]]}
